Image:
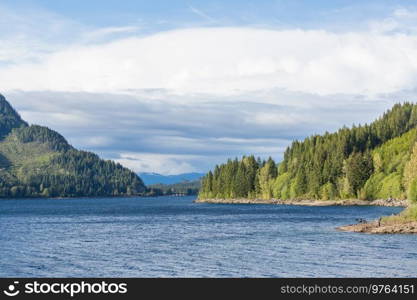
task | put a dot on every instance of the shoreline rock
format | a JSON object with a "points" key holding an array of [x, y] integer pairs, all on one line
{"points": [[347, 202], [375, 227]]}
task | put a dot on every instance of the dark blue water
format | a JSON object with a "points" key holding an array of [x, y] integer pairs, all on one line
{"points": [[165, 237]]}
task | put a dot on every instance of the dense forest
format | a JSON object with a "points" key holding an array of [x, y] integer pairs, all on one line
{"points": [[36, 161], [369, 162]]}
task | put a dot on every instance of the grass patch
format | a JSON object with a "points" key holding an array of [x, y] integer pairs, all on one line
{"points": [[407, 215]]}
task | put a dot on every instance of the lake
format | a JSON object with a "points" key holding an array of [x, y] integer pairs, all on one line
{"points": [[174, 237]]}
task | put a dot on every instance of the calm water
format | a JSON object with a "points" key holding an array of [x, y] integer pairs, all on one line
{"points": [[165, 237]]}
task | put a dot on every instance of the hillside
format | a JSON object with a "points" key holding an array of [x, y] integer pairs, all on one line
{"points": [[36, 161], [367, 162]]}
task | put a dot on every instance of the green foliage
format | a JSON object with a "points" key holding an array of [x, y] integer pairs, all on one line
{"points": [[280, 187], [42, 135], [390, 160], [328, 191], [410, 212], [38, 162], [373, 186], [9, 118], [245, 178], [412, 191], [392, 155], [410, 169], [391, 187], [407, 215], [358, 168], [266, 174], [367, 162]]}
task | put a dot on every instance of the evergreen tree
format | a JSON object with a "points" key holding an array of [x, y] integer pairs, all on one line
{"points": [[361, 161], [359, 168]]}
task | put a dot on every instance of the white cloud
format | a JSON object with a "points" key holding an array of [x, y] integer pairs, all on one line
{"points": [[168, 136], [93, 141], [224, 61], [405, 13], [402, 20], [279, 119], [108, 32], [164, 163]]}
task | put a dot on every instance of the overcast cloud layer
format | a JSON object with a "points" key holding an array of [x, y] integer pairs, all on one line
{"points": [[184, 99]]}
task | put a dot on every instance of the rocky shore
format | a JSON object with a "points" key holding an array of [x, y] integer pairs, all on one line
{"points": [[348, 202], [381, 228]]}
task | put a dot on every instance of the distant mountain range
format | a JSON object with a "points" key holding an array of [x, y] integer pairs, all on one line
{"points": [[155, 178]]}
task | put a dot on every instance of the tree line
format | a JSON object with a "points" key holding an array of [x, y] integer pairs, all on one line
{"points": [[72, 174], [365, 161], [42, 164]]}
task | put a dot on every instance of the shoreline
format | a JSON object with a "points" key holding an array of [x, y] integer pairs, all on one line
{"points": [[376, 227], [346, 202], [372, 227]]}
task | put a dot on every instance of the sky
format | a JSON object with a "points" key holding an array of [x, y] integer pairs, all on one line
{"points": [[179, 86]]}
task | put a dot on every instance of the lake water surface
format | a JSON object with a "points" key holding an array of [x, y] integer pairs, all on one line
{"points": [[174, 237]]}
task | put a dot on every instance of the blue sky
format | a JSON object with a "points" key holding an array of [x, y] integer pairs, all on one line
{"points": [[178, 86], [174, 13]]}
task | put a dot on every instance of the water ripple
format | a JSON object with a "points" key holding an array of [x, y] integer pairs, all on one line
{"points": [[174, 237]]}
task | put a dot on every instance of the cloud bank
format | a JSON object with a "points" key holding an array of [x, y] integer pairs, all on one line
{"points": [[184, 100], [224, 61], [172, 136]]}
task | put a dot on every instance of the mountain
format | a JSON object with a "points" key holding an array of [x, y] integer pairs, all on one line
{"points": [[183, 188], [368, 162], [36, 161], [154, 178], [9, 118]]}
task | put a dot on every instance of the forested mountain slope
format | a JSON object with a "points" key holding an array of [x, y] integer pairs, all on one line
{"points": [[367, 162], [36, 161]]}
